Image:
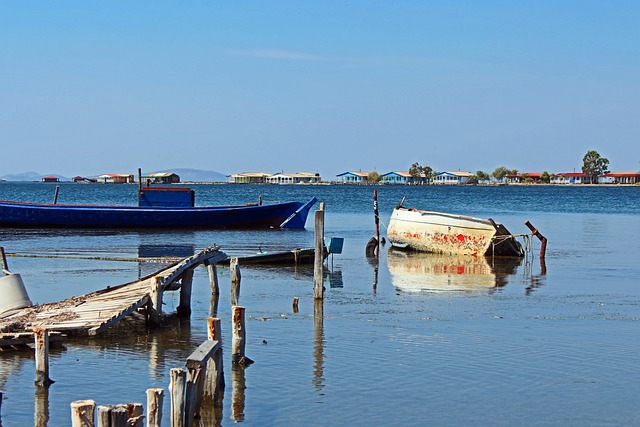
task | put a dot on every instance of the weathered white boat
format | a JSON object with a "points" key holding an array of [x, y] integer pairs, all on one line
{"points": [[445, 233]]}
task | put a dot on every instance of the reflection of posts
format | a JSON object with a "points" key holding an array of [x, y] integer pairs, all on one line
{"points": [[41, 414], [318, 344], [237, 392]]}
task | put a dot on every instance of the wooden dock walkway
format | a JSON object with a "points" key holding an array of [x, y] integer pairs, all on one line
{"points": [[94, 312]]}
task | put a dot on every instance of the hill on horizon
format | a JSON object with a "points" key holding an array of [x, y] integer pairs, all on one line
{"points": [[185, 174]]}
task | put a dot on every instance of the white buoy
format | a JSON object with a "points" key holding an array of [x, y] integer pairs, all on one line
{"points": [[13, 294]]}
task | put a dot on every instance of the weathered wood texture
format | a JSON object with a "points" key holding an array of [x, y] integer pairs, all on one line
{"points": [[196, 374], [41, 336], [82, 413], [155, 397], [94, 312], [176, 388], [235, 281], [318, 265], [238, 341]]}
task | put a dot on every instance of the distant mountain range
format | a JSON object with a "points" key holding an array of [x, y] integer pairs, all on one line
{"points": [[185, 174]]}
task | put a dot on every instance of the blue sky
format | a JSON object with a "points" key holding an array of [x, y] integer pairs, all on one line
{"points": [[92, 87]]}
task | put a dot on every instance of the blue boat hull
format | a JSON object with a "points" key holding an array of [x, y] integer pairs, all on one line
{"points": [[30, 215]]}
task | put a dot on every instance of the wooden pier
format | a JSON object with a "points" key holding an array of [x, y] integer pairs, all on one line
{"points": [[94, 312]]}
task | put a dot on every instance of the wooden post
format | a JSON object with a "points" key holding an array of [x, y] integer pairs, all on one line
{"points": [[135, 415], [119, 416], [235, 280], [213, 277], [176, 389], [318, 265], [377, 220], [295, 304], [82, 413], [543, 240], [5, 266], [214, 383], [155, 302], [196, 373], [139, 180], [0, 407], [42, 356], [104, 416], [184, 309], [55, 196], [239, 335], [155, 397]]}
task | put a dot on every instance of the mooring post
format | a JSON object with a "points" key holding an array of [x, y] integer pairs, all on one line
{"points": [[177, 391], [41, 336], [119, 416], [83, 413], [295, 304], [318, 265], [543, 240], [184, 309], [135, 415], [5, 266], [154, 307], [55, 196], [155, 397], [213, 277], [215, 372], [104, 416], [239, 335], [377, 221], [235, 280]]}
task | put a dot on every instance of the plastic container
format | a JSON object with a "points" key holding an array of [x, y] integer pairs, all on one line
{"points": [[13, 294]]}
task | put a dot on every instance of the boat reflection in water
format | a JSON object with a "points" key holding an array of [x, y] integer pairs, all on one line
{"points": [[427, 272]]}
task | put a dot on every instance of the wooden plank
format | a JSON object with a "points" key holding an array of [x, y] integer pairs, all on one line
{"points": [[200, 356]]}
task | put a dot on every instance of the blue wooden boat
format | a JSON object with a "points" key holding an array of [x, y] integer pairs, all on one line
{"points": [[158, 207]]}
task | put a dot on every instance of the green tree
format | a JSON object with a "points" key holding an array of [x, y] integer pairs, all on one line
{"points": [[593, 165], [500, 173], [545, 177], [427, 174], [374, 177], [421, 174], [473, 179], [482, 176]]}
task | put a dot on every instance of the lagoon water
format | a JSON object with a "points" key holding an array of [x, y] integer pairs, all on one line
{"points": [[408, 341]]}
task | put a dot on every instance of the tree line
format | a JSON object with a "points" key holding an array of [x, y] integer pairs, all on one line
{"points": [[593, 166]]}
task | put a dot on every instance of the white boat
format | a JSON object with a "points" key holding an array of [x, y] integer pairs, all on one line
{"points": [[450, 234]]}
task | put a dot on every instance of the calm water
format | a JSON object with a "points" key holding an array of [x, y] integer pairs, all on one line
{"points": [[402, 342]]}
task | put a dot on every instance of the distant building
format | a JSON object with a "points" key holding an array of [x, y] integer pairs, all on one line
{"points": [[161, 178], [248, 178], [397, 178], [293, 178], [116, 178], [50, 178], [620, 178], [354, 177], [569, 178], [452, 178]]}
